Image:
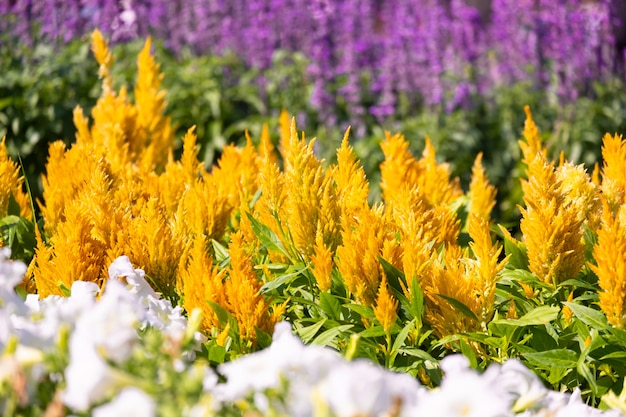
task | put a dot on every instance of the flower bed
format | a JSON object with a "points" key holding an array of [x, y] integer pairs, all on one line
{"points": [[265, 237], [89, 352]]}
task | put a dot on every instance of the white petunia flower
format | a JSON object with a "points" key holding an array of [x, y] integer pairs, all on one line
{"points": [[130, 402], [464, 393], [361, 388], [89, 379], [135, 278]]}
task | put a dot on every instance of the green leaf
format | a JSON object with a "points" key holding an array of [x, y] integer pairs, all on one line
{"points": [[469, 353], [217, 354], [364, 311], [263, 339], [308, 333], [330, 305], [18, 234], [592, 318], [537, 316], [221, 253], [619, 336], [517, 251], [282, 280], [583, 369], [417, 353], [266, 236], [394, 275], [416, 306], [222, 315], [557, 358], [327, 337], [460, 307], [13, 207], [374, 331], [399, 340]]}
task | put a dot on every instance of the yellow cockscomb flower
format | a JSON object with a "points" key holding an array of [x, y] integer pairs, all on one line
{"points": [[551, 223], [200, 282], [351, 183], [357, 256], [614, 171], [610, 256], [11, 185], [386, 307], [322, 263], [482, 193], [243, 297]]}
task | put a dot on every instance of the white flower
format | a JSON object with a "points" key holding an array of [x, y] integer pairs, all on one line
{"points": [[135, 278], [361, 388], [130, 402], [527, 390], [464, 392], [286, 359], [11, 272], [111, 324], [89, 379]]}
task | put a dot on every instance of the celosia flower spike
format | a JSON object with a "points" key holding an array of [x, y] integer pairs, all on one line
{"points": [[610, 256], [386, 306]]}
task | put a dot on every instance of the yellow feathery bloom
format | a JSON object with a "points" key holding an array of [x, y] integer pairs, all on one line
{"points": [[100, 49], [386, 306], [450, 278], [200, 282], [399, 169], [266, 148], [154, 247], [533, 145], [482, 193], [614, 171], [322, 263], [414, 218], [236, 173], [178, 176], [311, 201], [270, 208], [11, 184], [242, 289], [610, 256], [581, 193], [203, 209], [357, 257], [352, 185], [484, 268], [73, 255], [68, 173], [551, 225], [434, 179], [157, 137], [114, 127], [284, 124]]}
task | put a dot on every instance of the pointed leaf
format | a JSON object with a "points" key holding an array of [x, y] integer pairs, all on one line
{"points": [[330, 305], [329, 335], [592, 318], [266, 236], [308, 333], [537, 316], [281, 280], [557, 358]]}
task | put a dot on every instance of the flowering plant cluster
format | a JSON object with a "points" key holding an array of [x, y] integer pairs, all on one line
{"points": [[124, 351], [269, 236], [374, 56]]}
